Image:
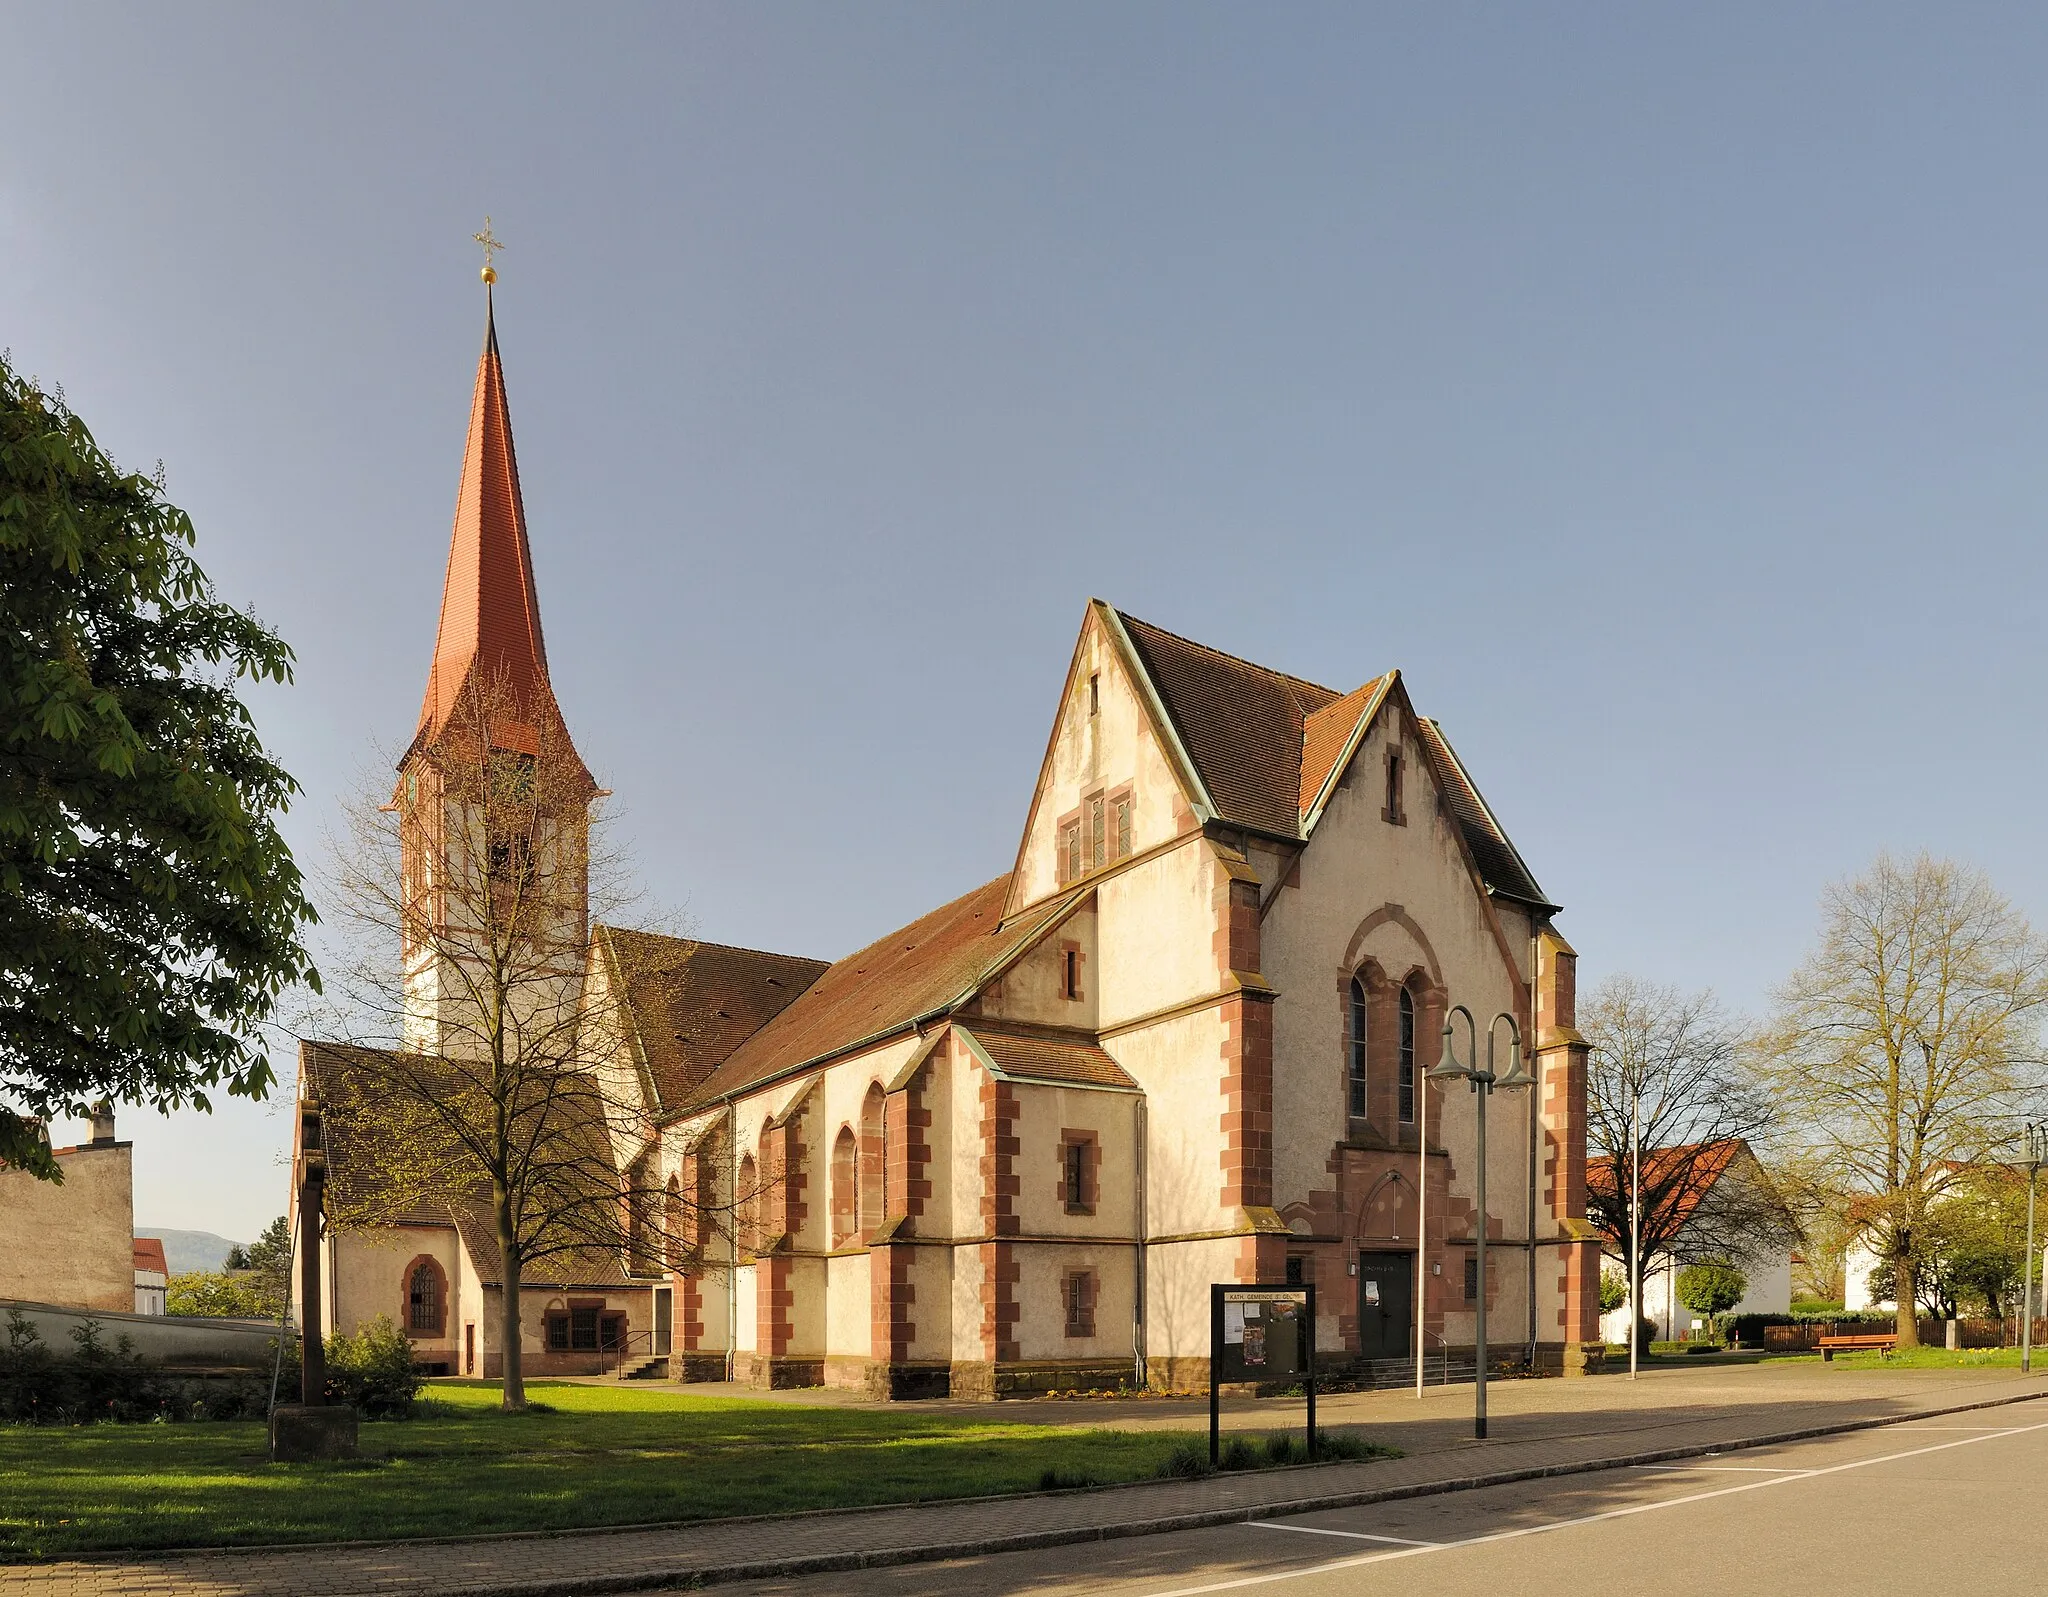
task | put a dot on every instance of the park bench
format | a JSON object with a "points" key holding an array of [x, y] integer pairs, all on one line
{"points": [[1831, 1345]]}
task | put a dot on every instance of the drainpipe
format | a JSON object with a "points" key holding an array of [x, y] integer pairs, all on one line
{"points": [[1535, 1097], [1141, 1127], [732, 1247]]}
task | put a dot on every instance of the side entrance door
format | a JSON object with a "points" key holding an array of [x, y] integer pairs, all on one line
{"points": [[1386, 1299]]}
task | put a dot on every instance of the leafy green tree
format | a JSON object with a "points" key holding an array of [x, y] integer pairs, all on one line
{"points": [[225, 1294], [1711, 1288], [1613, 1290], [150, 914]]}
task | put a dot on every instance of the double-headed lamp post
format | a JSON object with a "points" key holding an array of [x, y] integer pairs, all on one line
{"points": [[1485, 1083], [2037, 1156]]}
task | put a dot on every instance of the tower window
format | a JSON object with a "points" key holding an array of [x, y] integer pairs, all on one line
{"points": [[1407, 1057], [1356, 1073]]}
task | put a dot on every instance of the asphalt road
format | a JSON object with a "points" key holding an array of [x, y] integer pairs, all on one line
{"points": [[1945, 1505]]}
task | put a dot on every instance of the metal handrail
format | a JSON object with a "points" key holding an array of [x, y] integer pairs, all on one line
{"points": [[621, 1352]]}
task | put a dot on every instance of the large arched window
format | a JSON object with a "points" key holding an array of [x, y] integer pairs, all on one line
{"points": [[845, 1187], [672, 1223], [426, 1298], [1356, 1074], [748, 1201], [873, 1170], [1406, 1078]]}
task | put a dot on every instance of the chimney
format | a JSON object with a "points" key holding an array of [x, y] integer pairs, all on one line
{"points": [[103, 1122]]}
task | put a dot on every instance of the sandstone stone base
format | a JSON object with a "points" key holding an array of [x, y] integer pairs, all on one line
{"points": [[299, 1434], [779, 1374], [696, 1367], [907, 1381]]}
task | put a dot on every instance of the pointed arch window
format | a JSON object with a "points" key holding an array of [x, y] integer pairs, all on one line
{"points": [[1406, 1075], [1355, 1077]]}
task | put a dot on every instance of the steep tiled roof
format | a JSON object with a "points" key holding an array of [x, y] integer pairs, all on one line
{"points": [[490, 611], [1697, 1166], [338, 1076], [690, 1004], [149, 1255], [1499, 864], [1241, 724], [1039, 1057], [578, 1267], [913, 972], [1327, 734]]}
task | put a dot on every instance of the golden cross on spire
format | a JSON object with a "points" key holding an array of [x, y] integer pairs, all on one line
{"points": [[491, 247]]}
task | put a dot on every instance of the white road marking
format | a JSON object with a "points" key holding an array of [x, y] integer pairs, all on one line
{"points": [[1725, 1469], [1335, 1564], [1355, 1535]]}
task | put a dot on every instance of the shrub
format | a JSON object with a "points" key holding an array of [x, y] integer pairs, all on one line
{"points": [[1238, 1453], [1332, 1446], [1280, 1448], [373, 1372], [1189, 1461]]}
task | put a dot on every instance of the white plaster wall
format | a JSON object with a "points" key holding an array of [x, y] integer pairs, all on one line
{"points": [[1034, 988], [1041, 1326], [367, 1277], [1043, 1113], [747, 1340], [1157, 930], [849, 1310], [1179, 1063], [1770, 1292], [1177, 1281]]}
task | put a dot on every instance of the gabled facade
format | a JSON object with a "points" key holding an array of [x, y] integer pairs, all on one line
{"points": [[1009, 1147]]}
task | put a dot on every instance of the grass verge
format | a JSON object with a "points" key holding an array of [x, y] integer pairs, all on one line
{"points": [[595, 1455]]}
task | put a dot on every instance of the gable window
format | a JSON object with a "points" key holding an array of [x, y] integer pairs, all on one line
{"points": [[1395, 811], [1355, 1076], [1070, 851], [1094, 693], [1070, 970], [1098, 835], [1078, 1291], [1407, 1057], [1121, 825]]}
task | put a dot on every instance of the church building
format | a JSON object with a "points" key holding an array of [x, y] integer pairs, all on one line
{"points": [[1182, 1039]]}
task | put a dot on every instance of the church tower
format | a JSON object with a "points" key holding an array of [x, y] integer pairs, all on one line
{"points": [[493, 799]]}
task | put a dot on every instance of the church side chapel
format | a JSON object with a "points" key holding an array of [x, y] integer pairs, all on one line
{"points": [[1008, 1148]]}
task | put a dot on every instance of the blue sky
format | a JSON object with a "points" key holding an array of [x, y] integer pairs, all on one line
{"points": [[1662, 390]]}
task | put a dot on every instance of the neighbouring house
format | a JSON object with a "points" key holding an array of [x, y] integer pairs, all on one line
{"points": [[152, 1276], [1008, 1147], [1693, 1183], [71, 1244]]}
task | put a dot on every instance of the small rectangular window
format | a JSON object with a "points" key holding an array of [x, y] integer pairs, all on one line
{"points": [[558, 1333], [583, 1322], [1394, 812], [1297, 1270], [1471, 1278], [1070, 972], [1077, 1174], [1078, 1289], [1094, 694]]}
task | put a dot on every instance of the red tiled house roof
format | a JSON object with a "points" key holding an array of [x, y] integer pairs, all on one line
{"points": [[1698, 1166], [149, 1255]]}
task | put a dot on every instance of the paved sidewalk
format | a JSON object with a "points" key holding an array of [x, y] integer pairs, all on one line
{"points": [[1540, 1429]]}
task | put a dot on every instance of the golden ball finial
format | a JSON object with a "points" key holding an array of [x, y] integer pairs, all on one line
{"points": [[490, 274]]}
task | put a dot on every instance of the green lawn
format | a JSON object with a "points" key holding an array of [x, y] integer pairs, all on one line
{"points": [[606, 1456]]}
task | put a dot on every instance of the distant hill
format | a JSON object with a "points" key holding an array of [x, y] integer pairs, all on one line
{"points": [[189, 1250]]}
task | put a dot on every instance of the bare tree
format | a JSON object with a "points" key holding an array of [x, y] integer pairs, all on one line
{"points": [[476, 1075], [1666, 1077], [1904, 1049]]}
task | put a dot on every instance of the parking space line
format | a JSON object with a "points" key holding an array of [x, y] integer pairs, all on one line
{"points": [[1334, 1565], [1354, 1535]]}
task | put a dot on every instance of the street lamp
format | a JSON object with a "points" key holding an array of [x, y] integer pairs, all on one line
{"points": [[2037, 1155], [1485, 1083]]}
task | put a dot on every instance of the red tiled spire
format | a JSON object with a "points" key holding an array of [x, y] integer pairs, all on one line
{"points": [[490, 612]]}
